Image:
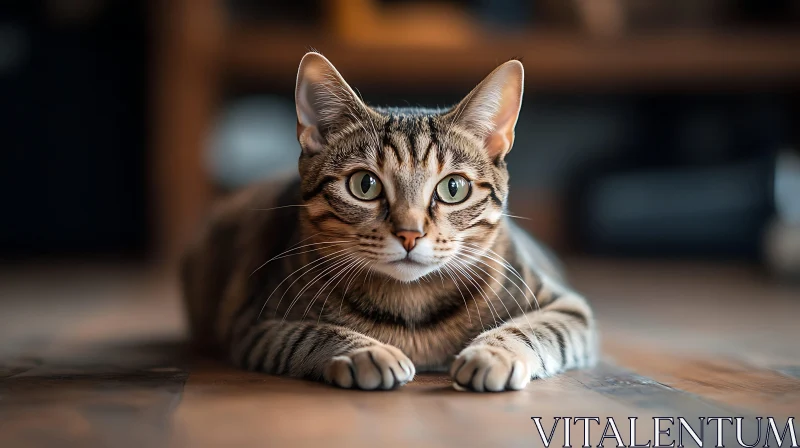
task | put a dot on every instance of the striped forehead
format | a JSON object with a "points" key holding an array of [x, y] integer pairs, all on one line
{"points": [[408, 157], [409, 140], [407, 152]]}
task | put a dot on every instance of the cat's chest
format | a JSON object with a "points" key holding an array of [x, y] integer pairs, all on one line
{"points": [[432, 351], [431, 348], [430, 325]]}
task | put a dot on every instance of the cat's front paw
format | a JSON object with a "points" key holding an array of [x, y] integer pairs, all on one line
{"points": [[484, 368], [369, 368]]}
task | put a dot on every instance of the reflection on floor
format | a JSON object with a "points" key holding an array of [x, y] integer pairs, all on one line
{"points": [[94, 356]]}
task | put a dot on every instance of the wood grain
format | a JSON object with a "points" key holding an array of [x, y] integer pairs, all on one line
{"points": [[95, 356], [739, 384]]}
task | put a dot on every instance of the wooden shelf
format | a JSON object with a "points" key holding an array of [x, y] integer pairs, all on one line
{"points": [[552, 60], [413, 49]]}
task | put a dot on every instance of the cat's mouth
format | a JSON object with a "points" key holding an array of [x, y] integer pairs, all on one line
{"points": [[405, 269], [407, 261]]}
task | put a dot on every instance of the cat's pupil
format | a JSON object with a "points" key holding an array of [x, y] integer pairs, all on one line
{"points": [[452, 187], [366, 183]]}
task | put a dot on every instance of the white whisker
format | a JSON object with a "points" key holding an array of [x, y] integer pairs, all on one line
{"points": [[278, 207], [508, 266], [503, 286], [342, 273], [477, 276], [328, 269], [347, 287], [492, 310], [283, 254], [447, 271], [325, 259], [516, 217], [303, 240]]}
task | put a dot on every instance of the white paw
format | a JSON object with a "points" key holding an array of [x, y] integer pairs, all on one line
{"points": [[484, 368], [369, 368]]}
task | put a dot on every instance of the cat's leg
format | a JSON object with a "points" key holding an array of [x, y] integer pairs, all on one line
{"points": [[322, 352], [559, 335]]}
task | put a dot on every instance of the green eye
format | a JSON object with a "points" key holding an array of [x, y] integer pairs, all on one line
{"points": [[453, 189], [365, 185]]}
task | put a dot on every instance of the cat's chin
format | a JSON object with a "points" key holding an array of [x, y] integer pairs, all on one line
{"points": [[405, 271]]}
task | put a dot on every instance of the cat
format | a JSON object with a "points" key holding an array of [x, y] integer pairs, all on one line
{"points": [[391, 253]]}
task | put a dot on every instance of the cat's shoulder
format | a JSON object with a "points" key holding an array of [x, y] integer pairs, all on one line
{"points": [[250, 208], [275, 192], [266, 194], [534, 253]]}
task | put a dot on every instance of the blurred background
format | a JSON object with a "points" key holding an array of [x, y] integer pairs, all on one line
{"points": [[657, 151], [650, 128]]}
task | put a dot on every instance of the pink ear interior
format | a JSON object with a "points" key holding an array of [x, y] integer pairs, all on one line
{"points": [[492, 108], [322, 99]]}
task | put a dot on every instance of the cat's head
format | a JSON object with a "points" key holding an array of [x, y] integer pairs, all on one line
{"points": [[404, 191]]}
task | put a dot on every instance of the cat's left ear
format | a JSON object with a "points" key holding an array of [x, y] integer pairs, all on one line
{"points": [[324, 102], [491, 110]]}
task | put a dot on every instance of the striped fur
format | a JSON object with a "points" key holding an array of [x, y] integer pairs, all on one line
{"points": [[300, 278]]}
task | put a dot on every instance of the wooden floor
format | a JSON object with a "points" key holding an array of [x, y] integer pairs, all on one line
{"points": [[94, 355]]}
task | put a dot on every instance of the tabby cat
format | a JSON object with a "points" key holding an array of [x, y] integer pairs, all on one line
{"points": [[391, 253]]}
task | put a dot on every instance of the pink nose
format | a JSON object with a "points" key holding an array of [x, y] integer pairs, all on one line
{"points": [[409, 238]]}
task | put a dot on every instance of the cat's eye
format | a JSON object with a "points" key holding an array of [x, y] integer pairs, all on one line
{"points": [[453, 189], [365, 185]]}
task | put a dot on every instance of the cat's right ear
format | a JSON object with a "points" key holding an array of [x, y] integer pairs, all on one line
{"points": [[324, 102], [491, 110]]}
